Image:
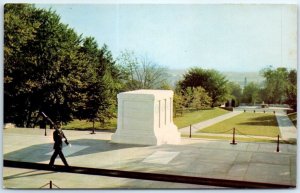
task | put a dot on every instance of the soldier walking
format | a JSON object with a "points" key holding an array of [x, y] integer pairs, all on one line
{"points": [[58, 136]]}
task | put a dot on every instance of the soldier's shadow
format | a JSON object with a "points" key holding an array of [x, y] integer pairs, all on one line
{"points": [[43, 152]]}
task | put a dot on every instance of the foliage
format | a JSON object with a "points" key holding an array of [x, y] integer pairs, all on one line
{"points": [[49, 68], [141, 73], [191, 99], [87, 125], [275, 85], [291, 90], [251, 93], [200, 98], [235, 93], [280, 86], [212, 81]]}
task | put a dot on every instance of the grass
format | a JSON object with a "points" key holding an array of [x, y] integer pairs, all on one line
{"points": [[197, 116], [182, 121], [85, 125], [293, 117], [257, 124]]}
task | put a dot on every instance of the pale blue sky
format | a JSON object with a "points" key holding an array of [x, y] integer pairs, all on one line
{"points": [[224, 37]]}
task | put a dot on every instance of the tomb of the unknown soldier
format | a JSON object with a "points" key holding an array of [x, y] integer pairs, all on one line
{"points": [[146, 117]]}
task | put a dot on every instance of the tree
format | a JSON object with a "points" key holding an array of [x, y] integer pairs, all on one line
{"points": [[275, 85], [235, 93], [201, 100], [192, 98], [49, 68], [291, 89], [35, 69], [212, 81], [280, 86], [141, 73], [251, 93], [178, 103]]}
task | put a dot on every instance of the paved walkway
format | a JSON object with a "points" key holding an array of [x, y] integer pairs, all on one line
{"points": [[254, 162], [201, 125], [287, 129]]}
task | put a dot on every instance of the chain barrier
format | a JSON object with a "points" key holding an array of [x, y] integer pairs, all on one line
{"points": [[240, 133], [50, 185], [44, 185], [250, 136], [56, 186], [215, 132]]}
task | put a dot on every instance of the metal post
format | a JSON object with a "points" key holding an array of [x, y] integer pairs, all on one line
{"points": [[233, 137], [254, 111], [93, 127], [46, 130], [50, 184], [190, 131], [277, 150]]}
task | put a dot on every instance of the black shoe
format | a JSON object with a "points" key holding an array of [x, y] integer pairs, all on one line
{"points": [[68, 168], [52, 167]]}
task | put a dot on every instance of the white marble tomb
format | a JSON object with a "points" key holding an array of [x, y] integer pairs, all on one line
{"points": [[146, 117]]}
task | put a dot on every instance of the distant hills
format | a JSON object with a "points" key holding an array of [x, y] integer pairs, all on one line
{"points": [[237, 77]]}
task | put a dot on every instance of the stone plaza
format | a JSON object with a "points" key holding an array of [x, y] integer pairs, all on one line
{"points": [[249, 162]]}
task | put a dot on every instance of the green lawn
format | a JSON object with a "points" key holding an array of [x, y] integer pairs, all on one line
{"points": [[181, 121], [257, 124], [85, 125], [197, 116], [293, 117]]}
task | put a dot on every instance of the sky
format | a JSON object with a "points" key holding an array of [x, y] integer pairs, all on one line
{"points": [[237, 38]]}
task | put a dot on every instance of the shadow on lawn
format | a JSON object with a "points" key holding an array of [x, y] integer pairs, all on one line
{"points": [[268, 120]]}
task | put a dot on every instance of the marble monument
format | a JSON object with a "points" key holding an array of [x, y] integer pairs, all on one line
{"points": [[146, 117]]}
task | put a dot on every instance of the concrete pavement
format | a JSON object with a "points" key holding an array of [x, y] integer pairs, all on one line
{"points": [[255, 162], [287, 129]]}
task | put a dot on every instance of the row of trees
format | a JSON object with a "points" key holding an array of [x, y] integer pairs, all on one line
{"points": [[201, 88], [279, 87], [49, 68]]}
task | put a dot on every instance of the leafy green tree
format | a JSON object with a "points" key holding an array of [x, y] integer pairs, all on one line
{"points": [[280, 86], [178, 103], [251, 93], [49, 68], [211, 80], [235, 93], [201, 100], [275, 85], [291, 89]]}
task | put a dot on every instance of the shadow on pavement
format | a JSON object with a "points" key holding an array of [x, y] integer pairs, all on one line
{"points": [[40, 152]]}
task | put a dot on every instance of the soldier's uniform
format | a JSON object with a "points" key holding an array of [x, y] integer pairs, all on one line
{"points": [[58, 136]]}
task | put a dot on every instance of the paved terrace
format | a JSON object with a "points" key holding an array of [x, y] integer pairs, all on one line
{"points": [[254, 162]]}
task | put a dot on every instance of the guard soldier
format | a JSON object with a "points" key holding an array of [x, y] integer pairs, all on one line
{"points": [[58, 136]]}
